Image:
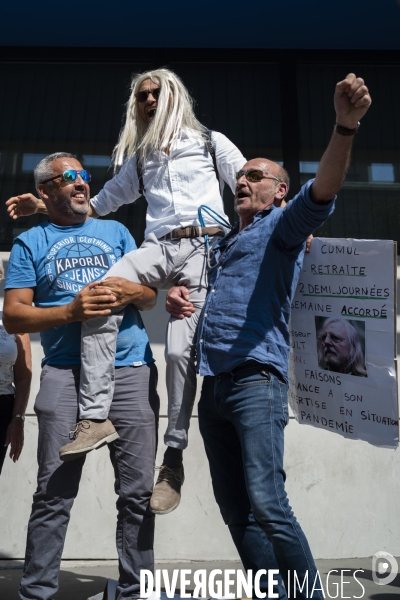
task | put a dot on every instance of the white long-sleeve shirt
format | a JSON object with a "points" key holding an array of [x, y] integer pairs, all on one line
{"points": [[175, 185]]}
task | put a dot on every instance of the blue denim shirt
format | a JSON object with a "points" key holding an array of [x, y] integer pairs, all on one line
{"points": [[247, 309]]}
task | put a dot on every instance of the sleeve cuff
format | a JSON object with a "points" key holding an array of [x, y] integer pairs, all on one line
{"points": [[20, 285], [305, 192]]}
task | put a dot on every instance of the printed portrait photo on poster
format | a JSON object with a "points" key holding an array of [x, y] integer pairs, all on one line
{"points": [[341, 345]]}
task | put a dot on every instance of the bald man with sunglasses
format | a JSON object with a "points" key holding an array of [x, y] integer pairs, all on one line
{"points": [[46, 291], [243, 351]]}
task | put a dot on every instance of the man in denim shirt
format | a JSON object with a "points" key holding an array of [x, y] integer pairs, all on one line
{"points": [[243, 349]]}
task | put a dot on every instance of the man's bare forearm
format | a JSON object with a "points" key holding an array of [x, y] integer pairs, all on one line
{"points": [[143, 297], [31, 319], [40, 207], [128, 292], [19, 316], [332, 169], [351, 100]]}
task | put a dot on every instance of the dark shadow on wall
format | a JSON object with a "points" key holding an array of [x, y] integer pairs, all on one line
{"points": [[79, 584]]}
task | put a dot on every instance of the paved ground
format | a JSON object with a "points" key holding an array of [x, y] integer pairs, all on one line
{"points": [[79, 580]]}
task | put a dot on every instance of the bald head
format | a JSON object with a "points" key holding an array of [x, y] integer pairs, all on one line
{"points": [[253, 196]]}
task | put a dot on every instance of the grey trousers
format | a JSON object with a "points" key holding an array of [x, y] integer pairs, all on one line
{"points": [[157, 263], [134, 412]]}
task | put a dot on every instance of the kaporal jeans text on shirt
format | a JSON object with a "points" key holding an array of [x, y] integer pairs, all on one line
{"points": [[232, 583]]}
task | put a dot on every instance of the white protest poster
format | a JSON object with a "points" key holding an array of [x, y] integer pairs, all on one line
{"points": [[343, 372]]}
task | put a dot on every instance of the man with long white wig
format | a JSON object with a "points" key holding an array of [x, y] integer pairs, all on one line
{"points": [[165, 153]]}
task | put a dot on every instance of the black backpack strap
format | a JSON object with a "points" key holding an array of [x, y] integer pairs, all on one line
{"points": [[139, 171], [211, 150]]}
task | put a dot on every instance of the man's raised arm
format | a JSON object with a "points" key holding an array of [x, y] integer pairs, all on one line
{"points": [[352, 101], [26, 205]]}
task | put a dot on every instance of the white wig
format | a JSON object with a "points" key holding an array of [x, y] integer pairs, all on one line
{"points": [[174, 112]]}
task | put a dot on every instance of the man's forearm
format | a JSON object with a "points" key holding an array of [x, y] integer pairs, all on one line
{"points": [[143, 298], [351, 101], [41, 208], [19, 316], [31, 319], [128, 292], [332, 168]]}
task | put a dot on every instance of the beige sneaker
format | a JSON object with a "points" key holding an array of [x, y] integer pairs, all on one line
{"points": [[88, 435], [167, 491]]}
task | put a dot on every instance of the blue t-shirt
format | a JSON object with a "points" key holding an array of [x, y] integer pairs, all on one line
{"points": [[60, 261]]}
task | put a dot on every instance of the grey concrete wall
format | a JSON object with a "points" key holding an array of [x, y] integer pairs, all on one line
{"points": [[344, 493]]}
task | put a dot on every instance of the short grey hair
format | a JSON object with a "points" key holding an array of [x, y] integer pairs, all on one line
{"points": [[44, 169]]}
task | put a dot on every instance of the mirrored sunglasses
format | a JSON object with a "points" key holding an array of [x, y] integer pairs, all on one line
{"points": [[71, 175]]}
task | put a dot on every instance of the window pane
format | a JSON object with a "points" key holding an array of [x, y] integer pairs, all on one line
{"points": [[46, 108], [242, 101], [79, 108], [368, 206]]}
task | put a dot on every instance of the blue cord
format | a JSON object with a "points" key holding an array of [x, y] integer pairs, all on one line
{"points": [[220, 220], [211, 213]]}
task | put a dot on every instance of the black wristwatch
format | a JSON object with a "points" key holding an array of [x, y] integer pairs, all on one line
{"points": [[341, 130], [19, 417]]}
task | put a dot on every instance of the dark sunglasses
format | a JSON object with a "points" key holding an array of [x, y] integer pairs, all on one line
{"points": [[254, 175], [71, 175], [142, 96]]}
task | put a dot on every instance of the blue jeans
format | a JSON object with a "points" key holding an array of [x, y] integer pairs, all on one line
{"points": [[242, 418]]}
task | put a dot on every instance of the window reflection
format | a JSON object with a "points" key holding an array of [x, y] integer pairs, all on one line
{"points": [[310, 167], [96, 160], [381, 173], [29, 161]]}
